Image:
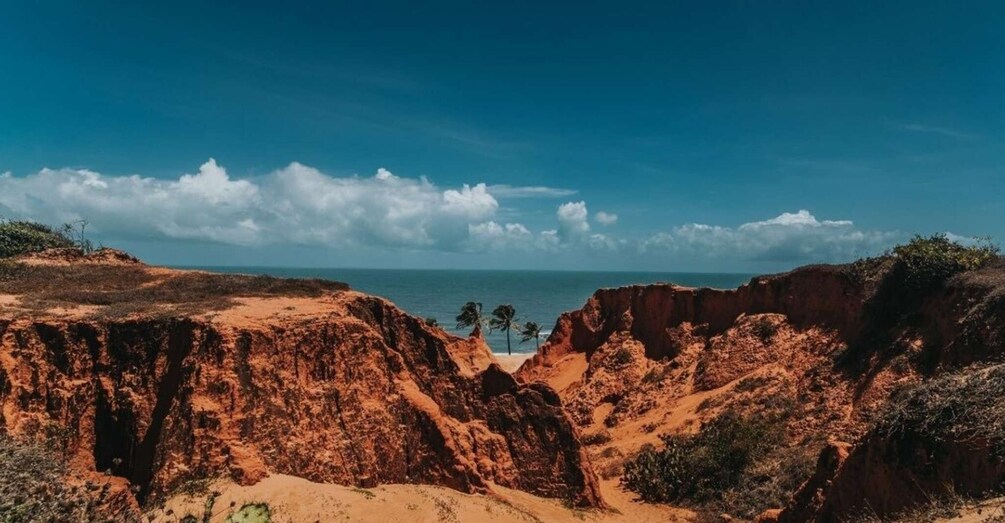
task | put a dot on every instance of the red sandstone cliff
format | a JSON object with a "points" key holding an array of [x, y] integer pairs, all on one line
{"points": [[942, 438], [827, 345], [243, 376]]}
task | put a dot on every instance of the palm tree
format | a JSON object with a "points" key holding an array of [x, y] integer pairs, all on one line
{"points": [[470, 316], [531, 330], [503, 318]]}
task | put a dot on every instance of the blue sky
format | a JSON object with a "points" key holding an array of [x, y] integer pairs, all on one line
{"points": [[742, 136]]}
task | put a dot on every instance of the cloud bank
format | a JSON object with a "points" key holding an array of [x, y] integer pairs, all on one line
{"points": [[789, 237], [300, 205]]}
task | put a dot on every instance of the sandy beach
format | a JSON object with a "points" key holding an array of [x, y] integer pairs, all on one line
{"points": [[512, 362]]}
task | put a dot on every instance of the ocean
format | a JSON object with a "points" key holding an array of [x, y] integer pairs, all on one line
{"points": [[539, 296]]}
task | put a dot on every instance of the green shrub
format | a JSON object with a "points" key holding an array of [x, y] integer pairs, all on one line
{"points": [[251, 513], [20, 237], [925, 262], [700, 467]]}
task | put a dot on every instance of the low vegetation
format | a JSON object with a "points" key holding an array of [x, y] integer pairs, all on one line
{"points": [[22, 237], [959, 407], [733, 464], [764, 328], [34, 487], [927, 261], [251, 513], [949, 508]]}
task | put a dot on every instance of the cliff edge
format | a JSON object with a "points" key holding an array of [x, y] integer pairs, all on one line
{"points": [[154, 378], [817, 352]]}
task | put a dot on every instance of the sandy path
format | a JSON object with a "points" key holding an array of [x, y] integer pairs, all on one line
{"points": [[292, 499]]}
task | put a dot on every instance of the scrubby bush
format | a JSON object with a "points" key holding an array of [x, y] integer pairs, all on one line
{"points": [[763, 328], [924, 262], [700, 467], [768, 482], [596, 438], [33, 486], [753, 383], [20, 237], [963, 406], [734, 464]]}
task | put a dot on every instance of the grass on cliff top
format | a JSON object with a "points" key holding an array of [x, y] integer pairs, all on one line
{"points": [[927, 261], [21, 237], [125, 289]]}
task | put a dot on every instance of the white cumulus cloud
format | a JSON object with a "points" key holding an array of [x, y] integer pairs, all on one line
{"points": [[301, 205], [573, 221], [296, 204], [789, 237], [606, 218]]}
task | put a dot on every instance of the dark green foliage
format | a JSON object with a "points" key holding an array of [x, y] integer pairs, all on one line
{"points": [[531, 331], [33, 487], [431, 322], [925, 262], [21, 237], [470, 315], [504, 319], [700, 467]]}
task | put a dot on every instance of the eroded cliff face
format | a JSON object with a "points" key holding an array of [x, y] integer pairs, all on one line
{"points": [[639, 361], [342, 388], [857, 302], [825, 296], [942, 438], [821, 348]]}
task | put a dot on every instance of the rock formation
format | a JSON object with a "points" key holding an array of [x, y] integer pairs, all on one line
{"points": [[242, 376], [943, 438], [826, 346]]}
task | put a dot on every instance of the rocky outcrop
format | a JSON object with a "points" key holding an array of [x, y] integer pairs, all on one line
{"points": [[821, 348], [944, 438], [859, 302], [826, 296], [341, 388]]}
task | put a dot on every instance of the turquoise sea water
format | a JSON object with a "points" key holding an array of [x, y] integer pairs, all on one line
{"points": [[538, 296]]}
